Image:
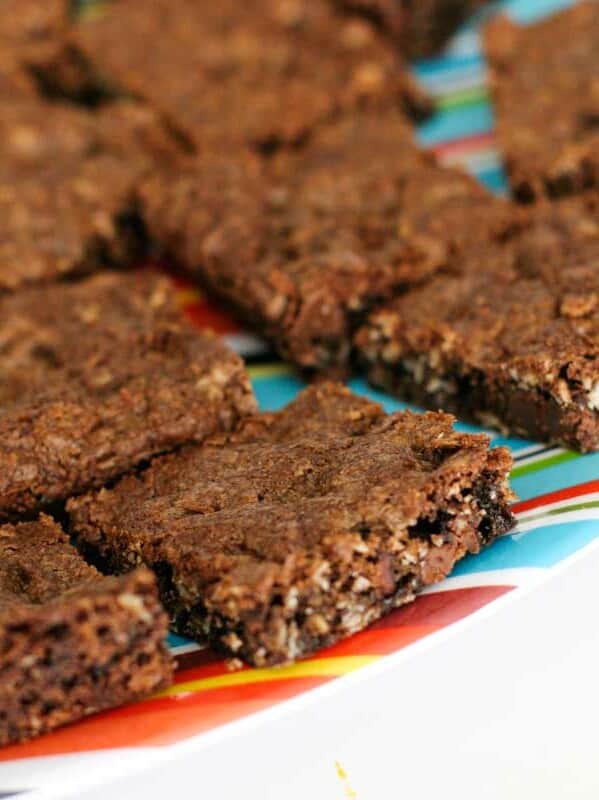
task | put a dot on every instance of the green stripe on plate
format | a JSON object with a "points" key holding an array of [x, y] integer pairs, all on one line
{"points": [[543, 463], [562, 510], [269, 370], [464, 98]]}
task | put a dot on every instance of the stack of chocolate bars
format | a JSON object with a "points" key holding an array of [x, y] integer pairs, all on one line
{"points": [[266, 149]]}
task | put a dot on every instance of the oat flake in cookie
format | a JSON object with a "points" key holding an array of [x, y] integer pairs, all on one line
{"points": [[302, 526], [73, 641], [99, 376]]}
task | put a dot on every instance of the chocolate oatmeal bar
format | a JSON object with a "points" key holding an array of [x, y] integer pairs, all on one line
{"points": [[302, 248], [67, 185], [302, 526], [418, 28], [546, 92], [99, 376], [514, 347], [229, 74], [73, 641]]}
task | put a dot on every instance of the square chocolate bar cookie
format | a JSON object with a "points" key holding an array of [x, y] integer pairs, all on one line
{"points": [[261, 73], [546, 92], [68, 181], [515, 346], [73, 641], [302, 526], [99, 376], [303, 247]]}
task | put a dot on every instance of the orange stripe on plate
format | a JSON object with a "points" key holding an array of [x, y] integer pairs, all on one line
{"points": [[159, 722]]}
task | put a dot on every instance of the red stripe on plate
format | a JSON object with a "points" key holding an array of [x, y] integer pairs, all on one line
{"points": [[467, 144], [206, 316], [442, 608], [553, 497]]}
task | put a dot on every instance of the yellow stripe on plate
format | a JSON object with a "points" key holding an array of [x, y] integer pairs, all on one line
{"points": [[314, 668], [270, 370]]}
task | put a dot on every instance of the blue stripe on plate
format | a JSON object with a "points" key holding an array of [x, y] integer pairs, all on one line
{"points": [[494, 179], [540, 547], [533, 10], [277, 391], [560, 476], [430, 69], [176, 641], [451, 124]]}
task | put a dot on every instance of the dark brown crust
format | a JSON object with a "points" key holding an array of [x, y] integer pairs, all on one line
{"points": [[302, 526], [67, 185], [303, 248], [419, 28], [266, 74], [515, 348], [545, 92], [502, 405], [99, 376], [73, 642]]}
